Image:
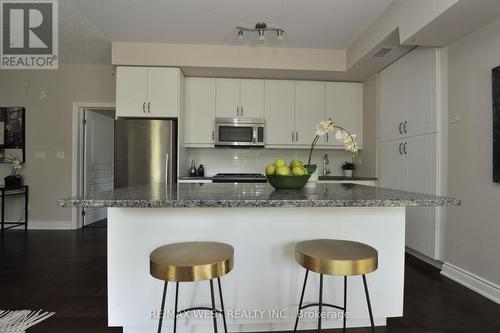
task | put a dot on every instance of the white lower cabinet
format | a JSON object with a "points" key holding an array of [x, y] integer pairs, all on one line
{"points": [[411, 164]]}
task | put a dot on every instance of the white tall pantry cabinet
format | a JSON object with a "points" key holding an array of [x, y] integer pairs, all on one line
{"points": [[411, 137]]}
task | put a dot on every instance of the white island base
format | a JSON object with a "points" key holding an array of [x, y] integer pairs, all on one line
{"points": [[262, 292]]}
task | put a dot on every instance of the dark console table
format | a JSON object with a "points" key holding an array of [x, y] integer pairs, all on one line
{"points": [[12, 191]]}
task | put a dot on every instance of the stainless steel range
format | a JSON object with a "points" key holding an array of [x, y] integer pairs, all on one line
{"points": [[239, 178]]}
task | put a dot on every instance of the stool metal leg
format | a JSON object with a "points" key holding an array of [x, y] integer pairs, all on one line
{"points": [[162, 310], [301, 299], [222, 306], [345, 303], [369, 304], [176, 302], [320, 312], [214, 312]]}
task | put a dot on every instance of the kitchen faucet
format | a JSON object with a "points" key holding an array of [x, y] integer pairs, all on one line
{"points": [[326, 165]]}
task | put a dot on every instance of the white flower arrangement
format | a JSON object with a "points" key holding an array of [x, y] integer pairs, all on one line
{"points": [[328, 126], [16, 164]]}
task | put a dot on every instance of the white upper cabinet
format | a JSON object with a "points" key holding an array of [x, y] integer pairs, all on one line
{"points": [[199, 112], [147, 92], [163, 92], [422, 101], [408, 100], [239, 98], [227, 98], [344, 105], [392, 100], [252, 98], [280, 112], [309, 109], [131, 91]]}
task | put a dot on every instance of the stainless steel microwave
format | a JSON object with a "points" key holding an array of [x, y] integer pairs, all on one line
{"points": [[239, 132]]}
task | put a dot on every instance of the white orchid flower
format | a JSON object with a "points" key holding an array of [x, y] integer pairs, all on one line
{"points": [[324, 127]]}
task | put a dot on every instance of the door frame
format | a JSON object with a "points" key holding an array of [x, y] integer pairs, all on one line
{"points": [[78, 153]]}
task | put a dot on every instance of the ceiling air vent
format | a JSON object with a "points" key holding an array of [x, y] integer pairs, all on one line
{"points": [[382, 52]]}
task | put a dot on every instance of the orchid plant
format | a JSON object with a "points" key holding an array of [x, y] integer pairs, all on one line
{"points": [[16, 164], [341, 134]]}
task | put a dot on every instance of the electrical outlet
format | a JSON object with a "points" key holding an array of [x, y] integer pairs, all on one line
{"points": [[39, 155], [60, 155], [43, 94]]}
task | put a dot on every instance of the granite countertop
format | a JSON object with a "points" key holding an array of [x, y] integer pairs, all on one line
{"points": [[221, 195], [194, 178], [353, 178]]}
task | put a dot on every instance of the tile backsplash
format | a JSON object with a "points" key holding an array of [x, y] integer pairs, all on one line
{"points": [[255, 160]]}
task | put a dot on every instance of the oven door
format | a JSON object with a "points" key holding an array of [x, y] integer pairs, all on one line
{"points": [[235, 134]]}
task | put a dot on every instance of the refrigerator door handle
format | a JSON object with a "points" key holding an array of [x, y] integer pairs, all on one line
{"points": [[166, 169]]}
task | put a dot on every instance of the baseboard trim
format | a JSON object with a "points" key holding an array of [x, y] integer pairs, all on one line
{"points": [[436, 263], [472, 281], [48, 225]]}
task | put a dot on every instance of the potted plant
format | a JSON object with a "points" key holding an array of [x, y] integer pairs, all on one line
{"points": [[348, 168], [14, 180], [341, 134]]}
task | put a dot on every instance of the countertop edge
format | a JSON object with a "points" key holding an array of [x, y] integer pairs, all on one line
{"points": [[92, 203]]}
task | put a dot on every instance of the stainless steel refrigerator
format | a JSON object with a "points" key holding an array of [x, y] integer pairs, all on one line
{"points": [[145, 152]]}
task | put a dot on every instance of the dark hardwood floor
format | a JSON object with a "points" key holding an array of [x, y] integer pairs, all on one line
{"points": [[65, 272]]}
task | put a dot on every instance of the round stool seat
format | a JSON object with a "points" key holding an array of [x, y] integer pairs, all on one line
{"points": [[336, 257], [191, 261]]}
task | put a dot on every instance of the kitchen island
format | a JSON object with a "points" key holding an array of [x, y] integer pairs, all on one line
{"points": [[262, 292]]}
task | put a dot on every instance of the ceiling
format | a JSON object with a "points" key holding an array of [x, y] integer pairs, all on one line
{"points": [[87, 26]]}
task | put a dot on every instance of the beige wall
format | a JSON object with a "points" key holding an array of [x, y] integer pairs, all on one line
{"points": [[49, 126], [368, 155], [473, 230]]}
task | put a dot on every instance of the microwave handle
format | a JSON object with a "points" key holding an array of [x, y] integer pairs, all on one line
{"points": [[255, 130]]}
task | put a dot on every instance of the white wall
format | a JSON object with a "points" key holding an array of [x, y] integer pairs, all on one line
{"points": [[255, 160], [473, 230], [49, 127]]}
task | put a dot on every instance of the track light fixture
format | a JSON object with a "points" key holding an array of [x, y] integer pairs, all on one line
{"points": [[261, 28]]}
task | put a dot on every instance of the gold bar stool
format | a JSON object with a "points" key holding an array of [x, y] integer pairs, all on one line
{"points": [[338, 258], [190, 262]]}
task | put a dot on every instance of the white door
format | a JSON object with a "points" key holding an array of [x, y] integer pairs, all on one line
{"points": [[99, 159], [421, 169], [422, 101], [309, 109], [392, 100], [131, 91], [200, 111], [344, 105], [392, 168], [279, 112], [252, 98], [163, 92], [227, 99]]}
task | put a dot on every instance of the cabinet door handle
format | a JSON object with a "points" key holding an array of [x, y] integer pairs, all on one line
{"points": [[241, 111], [400, 130], [213, 135], [293, 137], [327, 138], [404, 127], [149, 107], [144, 107], [297, 136], [400, 146], [404, 148]]}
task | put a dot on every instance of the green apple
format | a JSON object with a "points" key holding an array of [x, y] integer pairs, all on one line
{"points": [[298, 171], [270, 170], [295, 163], [282, 171], [279, 163]]}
